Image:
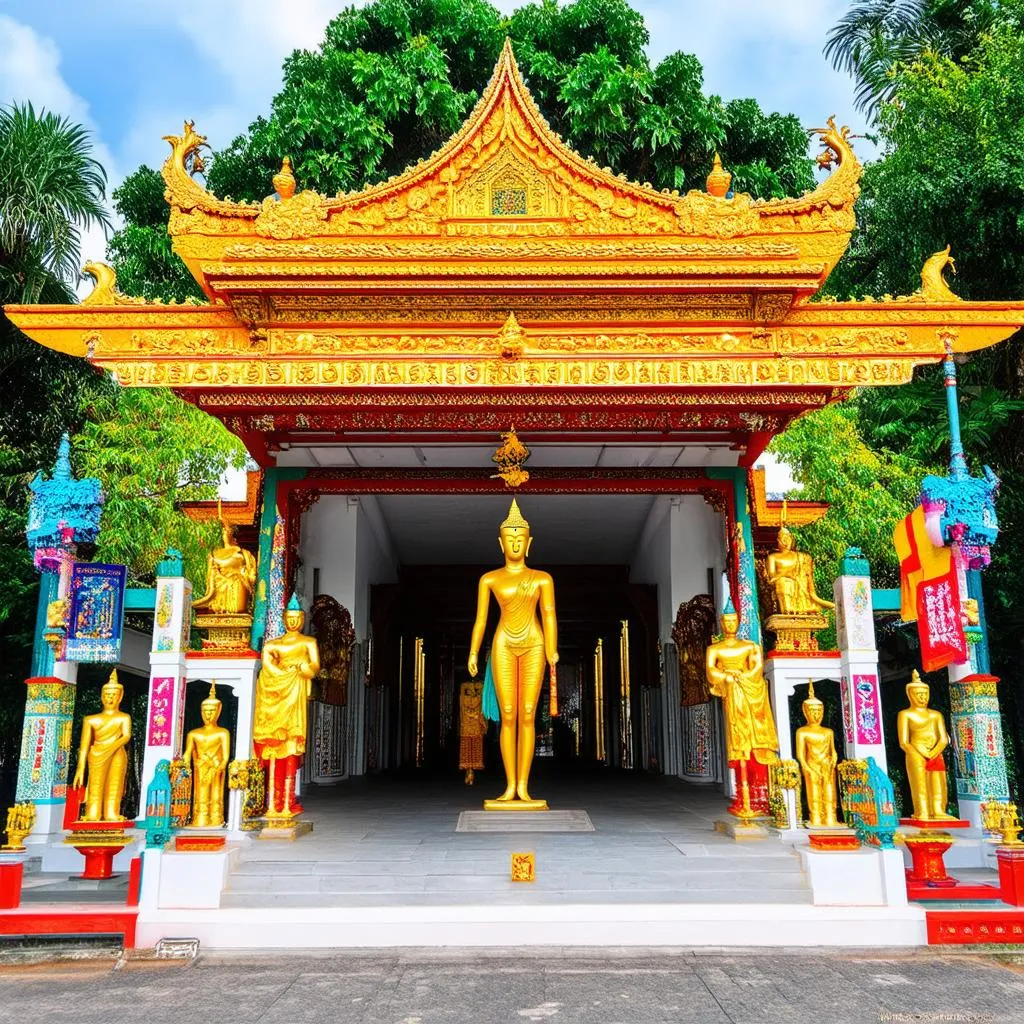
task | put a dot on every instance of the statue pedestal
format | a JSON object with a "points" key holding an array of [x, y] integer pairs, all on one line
{"points": [[99, 842], [1011, 874], [742, 829], [927, 878], [12, 866], [796, 632], [833, 839], [284, 828], [515, 805], [225, 634]]}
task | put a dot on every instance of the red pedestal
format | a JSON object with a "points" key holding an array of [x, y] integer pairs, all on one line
{"points": [[1011, 874], [134, 882], [183, 842], [926, 853], [10, 885], [99, 842], [943, 823], [99, 860]]}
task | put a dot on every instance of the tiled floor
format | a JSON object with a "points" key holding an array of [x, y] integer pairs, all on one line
{"points": [[392, 841]]}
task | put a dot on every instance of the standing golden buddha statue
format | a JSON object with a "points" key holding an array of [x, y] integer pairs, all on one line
{"points": [[816, 752], [283, 688], [922, 737], [207, 752], [104, 737], [472, 729], [734, 673], [522, 646]]}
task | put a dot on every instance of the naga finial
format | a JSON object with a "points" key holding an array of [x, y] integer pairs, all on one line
{"points": [[185, 149], [933, 281], [105, 293], [836, 141]]}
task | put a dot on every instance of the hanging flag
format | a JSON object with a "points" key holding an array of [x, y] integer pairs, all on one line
{"points": [[929, 593]]}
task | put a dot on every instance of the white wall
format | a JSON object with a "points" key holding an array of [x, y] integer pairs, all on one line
{"points": [[682, 538]]}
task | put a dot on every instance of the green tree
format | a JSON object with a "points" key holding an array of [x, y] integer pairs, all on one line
{"points": [[394, 80], [875, 39]]}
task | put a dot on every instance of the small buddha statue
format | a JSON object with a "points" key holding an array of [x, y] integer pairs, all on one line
{"points": [[207, 752], [283, 689], [791, 575], [816, 752], [921, 731], [472, 729], [734, 669], [230, 577], [104, 737], [522, 647]]}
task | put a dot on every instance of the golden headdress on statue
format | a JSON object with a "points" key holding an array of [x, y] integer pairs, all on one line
{"points": [[211, 697], [515, 520]]}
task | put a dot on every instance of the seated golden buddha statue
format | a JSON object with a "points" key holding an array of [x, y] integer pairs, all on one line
{"points": [[208, 751], [230, 577], [104, 737], [734, 668], [523, 646], [790, 574]]}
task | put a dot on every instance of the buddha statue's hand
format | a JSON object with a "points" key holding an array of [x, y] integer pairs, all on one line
{"points": [[553, 659], [79, 780], [471, 665]]}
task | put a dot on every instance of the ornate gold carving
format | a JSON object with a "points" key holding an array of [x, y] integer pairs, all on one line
{"points": [[511, 339], [182, 191], [295, 217], [510, 457], [284, 180], [933, 283]]}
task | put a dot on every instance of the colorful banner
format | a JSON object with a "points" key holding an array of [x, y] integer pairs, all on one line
{"points": [[869, 716], [940, 623], [97, 612], [161, 709]]}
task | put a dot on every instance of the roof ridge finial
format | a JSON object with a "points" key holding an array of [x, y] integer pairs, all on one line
{"points": [[62, 465]]}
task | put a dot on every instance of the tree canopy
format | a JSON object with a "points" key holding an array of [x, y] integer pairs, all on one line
{"points": [[394, 80]]}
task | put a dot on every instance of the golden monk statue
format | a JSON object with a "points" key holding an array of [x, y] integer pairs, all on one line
{"points": [[472, 729], [207, 752], [734, 672], [922, 736], [816, 752], [230, 577], [521, 647], [104, 737], [791, 575], [279, 723]]}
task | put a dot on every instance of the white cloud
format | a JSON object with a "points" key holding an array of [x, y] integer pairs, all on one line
{"points": [[30, 71]]}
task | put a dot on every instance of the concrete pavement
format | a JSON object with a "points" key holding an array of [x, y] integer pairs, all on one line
{"points": [[563, 987]]}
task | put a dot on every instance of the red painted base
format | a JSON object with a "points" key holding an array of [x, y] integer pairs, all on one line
{"points": [[972, 927], [926, 853], [134, 882], [1011, 874], [833, 841], [944, 823], [99, 861], [10, 885], [209, 844], [956, 891], [95, 921]]}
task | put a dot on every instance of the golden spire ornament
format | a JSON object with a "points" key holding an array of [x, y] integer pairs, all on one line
{"points": [[284, 180], [509, 457], [719, 179], [514, 520]]}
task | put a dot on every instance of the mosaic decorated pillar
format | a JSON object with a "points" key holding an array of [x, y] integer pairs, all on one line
{"points": [[165, 712], [63, 513], [855, 634]]}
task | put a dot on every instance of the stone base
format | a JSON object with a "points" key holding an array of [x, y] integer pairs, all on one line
{"points": [[515, 805], [742, 829], [278, 828], [518, 821]]}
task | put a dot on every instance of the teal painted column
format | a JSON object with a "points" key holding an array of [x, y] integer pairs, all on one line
{"points": [[42, 653], [743, 543], [264, 558]]}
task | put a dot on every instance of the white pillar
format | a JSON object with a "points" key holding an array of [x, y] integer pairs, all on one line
{"points": [[165, 711], [855, 632]]}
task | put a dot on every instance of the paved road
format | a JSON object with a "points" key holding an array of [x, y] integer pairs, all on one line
{"points": [[469, 988]]}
